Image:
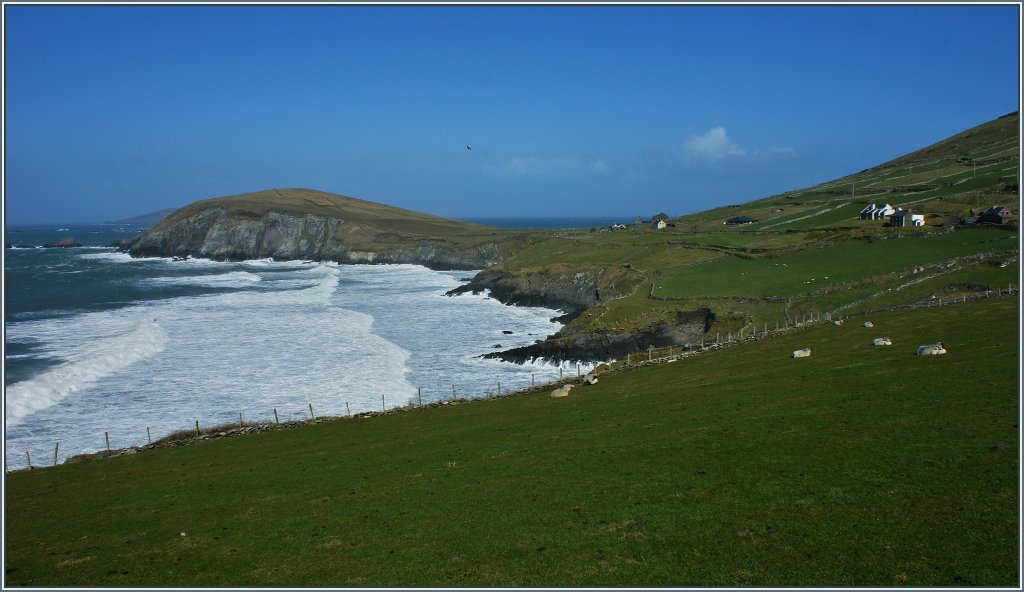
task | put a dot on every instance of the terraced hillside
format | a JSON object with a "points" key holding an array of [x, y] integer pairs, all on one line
{"points": [[949, 181], [806, 253]]}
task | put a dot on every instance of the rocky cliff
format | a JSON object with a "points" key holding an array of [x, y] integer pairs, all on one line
{"points": [[569, 290], [573, 291], [309, 225], [574, 343]]}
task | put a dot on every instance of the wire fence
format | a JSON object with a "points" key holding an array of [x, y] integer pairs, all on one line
{"points": [[201, 431]]}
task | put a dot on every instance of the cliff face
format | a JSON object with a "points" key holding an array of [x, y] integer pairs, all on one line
{"points": [[221, 233], [571, 291], [574, 291]]}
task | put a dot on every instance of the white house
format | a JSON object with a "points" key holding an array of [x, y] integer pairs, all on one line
{"points": [[907, 218], [874, 212]]}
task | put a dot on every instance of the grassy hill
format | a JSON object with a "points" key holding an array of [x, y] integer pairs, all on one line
{"points": [[368, 225], [858, 466], [808, 252], [946, 181], [310, 201]]}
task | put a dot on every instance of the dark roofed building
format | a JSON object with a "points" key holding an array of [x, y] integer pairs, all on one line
{"points": [[736, 220], [996, 215]]}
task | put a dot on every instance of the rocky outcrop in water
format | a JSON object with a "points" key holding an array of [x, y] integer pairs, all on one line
{"points": [[65, 243]]}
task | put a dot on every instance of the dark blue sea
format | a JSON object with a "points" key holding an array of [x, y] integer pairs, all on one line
{"points": [[96, 342]]}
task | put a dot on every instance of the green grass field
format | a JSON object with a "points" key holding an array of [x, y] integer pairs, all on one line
{"points": [[794, 273], [858, 466]]}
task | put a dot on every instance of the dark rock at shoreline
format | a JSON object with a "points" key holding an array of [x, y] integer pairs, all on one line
{"points": [[569, 293], [64, 243], [601, 345], [24, 246]]}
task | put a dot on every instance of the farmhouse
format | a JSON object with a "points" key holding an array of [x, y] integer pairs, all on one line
{"points": [[737, 220], [659, 224], [906, 218], [996, 215], [874, 212]]}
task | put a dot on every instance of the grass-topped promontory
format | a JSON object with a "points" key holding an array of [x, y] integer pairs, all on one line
{"points": [[858, 466]]}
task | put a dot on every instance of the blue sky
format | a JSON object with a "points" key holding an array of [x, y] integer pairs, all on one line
{"points": [[114, 111]]}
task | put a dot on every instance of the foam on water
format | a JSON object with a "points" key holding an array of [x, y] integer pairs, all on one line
{"points": [[83, 365], [108, 256], [336, 337], [223, 280]]}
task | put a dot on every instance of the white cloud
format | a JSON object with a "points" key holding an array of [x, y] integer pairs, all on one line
{"points": [[713, 145]]}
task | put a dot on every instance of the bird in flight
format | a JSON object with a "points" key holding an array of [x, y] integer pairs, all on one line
{"points": [[467, 147]]}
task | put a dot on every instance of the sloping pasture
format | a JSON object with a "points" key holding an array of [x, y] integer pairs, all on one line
{"points": [[857, 466], [795, 273]]}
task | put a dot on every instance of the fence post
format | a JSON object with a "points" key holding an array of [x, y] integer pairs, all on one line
{"points": [[348, 411], [277, 420], [311, 416], [55, 449], [197, 428], [559, 373], [149, 437], [382, 406], [453, 391], [241, 423], [499, 388], [107, 436], [28, 459], [419, 395]]}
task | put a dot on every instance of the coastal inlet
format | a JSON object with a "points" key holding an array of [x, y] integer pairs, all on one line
{"points": [[99, 342]]}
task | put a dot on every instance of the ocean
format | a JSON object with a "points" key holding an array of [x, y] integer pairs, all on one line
{"points": [[97, 343]]}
